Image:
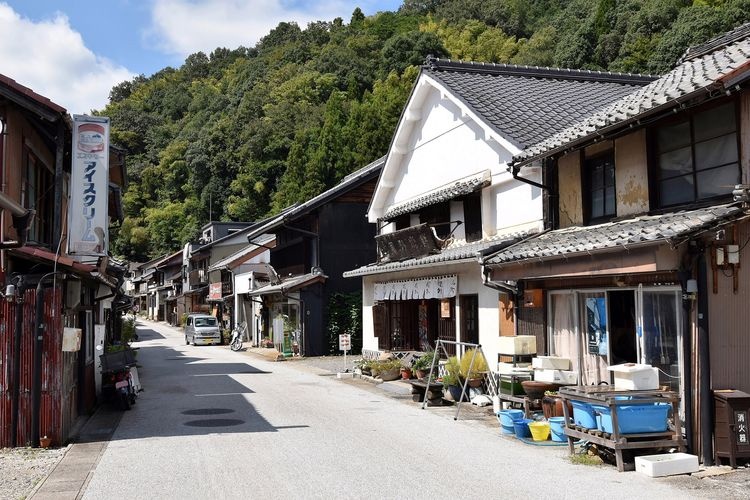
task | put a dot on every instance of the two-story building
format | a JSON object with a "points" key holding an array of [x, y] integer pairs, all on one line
{"points": [[643, 262], [315, 242], [78, 290], [445, 195]]}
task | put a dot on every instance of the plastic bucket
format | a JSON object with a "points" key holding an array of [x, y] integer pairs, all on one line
{"points": [[507, 418], [556, 427], [521, 427], [539, 431]]}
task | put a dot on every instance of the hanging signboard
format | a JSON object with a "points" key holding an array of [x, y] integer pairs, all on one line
{"points": [[89, 186], [214, 291]]}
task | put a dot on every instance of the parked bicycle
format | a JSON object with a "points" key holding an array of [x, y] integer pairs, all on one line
{"points": [[238, 335]]}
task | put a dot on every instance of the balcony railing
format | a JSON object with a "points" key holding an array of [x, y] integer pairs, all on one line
{"points": [[198, 277]]}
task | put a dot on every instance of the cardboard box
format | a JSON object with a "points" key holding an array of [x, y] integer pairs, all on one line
{"points": [[667, 464], [517, 344], [556, 376], [550, 363], [635, 377]]}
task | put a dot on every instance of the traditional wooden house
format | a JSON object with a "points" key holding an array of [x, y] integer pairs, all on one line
{"points": [[445, 195], [47, 380], [643, 259], [316, 241]]}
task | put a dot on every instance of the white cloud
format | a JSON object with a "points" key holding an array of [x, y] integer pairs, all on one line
{"points": [[50, 58], [186, 26]]}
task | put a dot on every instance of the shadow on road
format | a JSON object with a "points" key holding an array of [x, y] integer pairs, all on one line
{"points": [[188, 395]]}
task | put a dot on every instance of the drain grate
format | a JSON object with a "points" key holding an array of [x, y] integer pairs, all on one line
{"points": [[208, 411], [215, 422]]}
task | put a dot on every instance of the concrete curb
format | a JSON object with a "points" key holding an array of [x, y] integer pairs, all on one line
{"points": [[41, 482]]}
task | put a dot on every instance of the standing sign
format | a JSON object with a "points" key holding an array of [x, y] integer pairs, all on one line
{"points": [[89, 186], [345, 344]]}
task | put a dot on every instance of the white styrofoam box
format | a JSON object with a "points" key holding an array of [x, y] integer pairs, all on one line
{"points": [[564, 377], [511, 369], [635, 377], [667, 464], [550, 363], [517, 344]]}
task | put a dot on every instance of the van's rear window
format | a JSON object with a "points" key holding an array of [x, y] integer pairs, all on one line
{"points": [[205, 321]]}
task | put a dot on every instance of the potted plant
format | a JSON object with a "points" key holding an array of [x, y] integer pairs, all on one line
{"points": [[422, 365], [452, 379], [476, 372], [406, 372], [387, 369]]}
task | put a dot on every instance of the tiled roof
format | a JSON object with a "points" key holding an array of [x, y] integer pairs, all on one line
{"points": [[696, 74], [528, 104], [290, 284], [457, 251], [671, 228], [460, 187], [244, 253], [358, 177], [27, 92]]}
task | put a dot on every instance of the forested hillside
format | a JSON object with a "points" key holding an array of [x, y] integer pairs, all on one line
{"points": [[241, 133]]}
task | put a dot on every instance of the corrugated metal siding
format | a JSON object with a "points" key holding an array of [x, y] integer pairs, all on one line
{"points": [[57, 404], [729, 317]]}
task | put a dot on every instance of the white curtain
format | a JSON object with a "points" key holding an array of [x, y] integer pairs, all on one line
{"points": [[563, 328]]}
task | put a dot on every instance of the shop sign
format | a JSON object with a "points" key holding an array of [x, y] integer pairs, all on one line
{"points": [[89, 186], [214, 291], [437, 287], [345, 342]]}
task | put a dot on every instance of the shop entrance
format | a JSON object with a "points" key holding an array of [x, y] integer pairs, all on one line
{"points": [[599, 328]]}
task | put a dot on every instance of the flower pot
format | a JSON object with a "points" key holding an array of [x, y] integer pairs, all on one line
{"points": [[455, 391], [476, 382], [406, 373], [423, 373], [390, 374], [44, 442]]}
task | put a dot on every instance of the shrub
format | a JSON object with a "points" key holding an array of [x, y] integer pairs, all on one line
{"points": [[480, 364]]}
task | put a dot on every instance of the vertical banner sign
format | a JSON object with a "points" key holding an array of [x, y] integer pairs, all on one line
{"points": [[89, 187]]}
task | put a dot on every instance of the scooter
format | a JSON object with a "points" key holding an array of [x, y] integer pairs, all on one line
{"points": [[238, 334], [117, 381]]}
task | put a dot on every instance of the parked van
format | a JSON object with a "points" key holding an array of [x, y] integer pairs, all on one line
{"points": [[202, 329]]}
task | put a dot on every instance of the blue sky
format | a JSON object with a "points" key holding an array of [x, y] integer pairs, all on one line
{"points": [[74, 51]]}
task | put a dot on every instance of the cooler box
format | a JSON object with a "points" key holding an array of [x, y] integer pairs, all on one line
{"points": [[511, 369], [634, 419], [556, 376], [550, 363], [635, 377], [666, 464], [517, 344]]}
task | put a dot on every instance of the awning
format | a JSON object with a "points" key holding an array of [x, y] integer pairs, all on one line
{"points": [[290, 284], [434, 287], [64, 263], [461, 187]]}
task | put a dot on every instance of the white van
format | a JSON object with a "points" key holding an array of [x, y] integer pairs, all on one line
{"points": [[202, 329]]}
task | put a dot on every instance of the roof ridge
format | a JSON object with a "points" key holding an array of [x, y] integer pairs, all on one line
{"points": [[718, 42], [438, 64]]}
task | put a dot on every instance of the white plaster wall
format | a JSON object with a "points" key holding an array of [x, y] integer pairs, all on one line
{"points": [[444, 146], [469, 282], [517, 206]]}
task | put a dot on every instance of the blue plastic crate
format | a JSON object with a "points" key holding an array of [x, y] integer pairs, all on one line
{"points": [[583, 414], [634, 419]]}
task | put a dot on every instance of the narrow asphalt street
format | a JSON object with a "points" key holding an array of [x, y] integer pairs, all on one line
{"points": [[213, 423]]}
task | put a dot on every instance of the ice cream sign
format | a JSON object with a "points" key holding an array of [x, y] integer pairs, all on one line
{"points": [[87, 211]]}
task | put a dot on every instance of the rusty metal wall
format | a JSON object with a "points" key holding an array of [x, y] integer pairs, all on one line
{"points": [[58, 407], [729, 317]]}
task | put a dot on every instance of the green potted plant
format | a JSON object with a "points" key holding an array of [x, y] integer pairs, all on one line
{"points": [[452, 378], [475, 372], [387, 369], [423, 364]]}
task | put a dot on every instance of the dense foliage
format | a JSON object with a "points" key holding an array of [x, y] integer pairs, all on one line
{"points": [[240, 134]]}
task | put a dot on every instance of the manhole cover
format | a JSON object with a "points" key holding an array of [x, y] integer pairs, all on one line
{"points": [[208, 411], [215, 422]]}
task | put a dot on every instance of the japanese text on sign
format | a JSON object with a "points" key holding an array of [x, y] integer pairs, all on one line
{"points": [[740, 421], [345, 342]]}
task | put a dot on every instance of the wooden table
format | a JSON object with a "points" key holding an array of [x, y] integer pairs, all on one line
{"points": [[605, 395]]}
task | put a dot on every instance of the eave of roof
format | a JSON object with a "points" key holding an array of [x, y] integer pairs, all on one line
{"points": [[290, 284], [248, 252], [671, 228], [457, 252], [26, 97]]}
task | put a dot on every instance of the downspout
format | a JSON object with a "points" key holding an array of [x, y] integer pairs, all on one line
{"points": [[59, 156], [21, 221], [704, 363], [21, 290]]}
